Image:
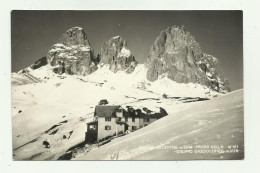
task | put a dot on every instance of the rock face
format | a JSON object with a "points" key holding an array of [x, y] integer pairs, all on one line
{"points": [[175, 53], [73, 54], [115, 53], [39, 63]]}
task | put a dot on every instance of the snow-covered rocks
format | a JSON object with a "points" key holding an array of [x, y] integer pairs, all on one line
{"points": [[39, 63], [73, 53], [115, 53], [74, 36]]}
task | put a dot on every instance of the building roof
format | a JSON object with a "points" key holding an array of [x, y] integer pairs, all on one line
{"points": [[106, 110], [110, 111], [138, 113], [92, 122]]}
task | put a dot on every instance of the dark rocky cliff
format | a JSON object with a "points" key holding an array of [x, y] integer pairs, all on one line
{"points": [[176, 53]]}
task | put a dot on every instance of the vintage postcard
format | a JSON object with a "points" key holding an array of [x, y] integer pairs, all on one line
{"points": [[127, 85]]}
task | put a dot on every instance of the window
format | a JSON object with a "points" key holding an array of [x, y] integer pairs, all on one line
{"points": [[133, 119], [107, 127], [119, 110], [133, 127], [126, 119], [107, 119], [92, 127], [146, 120], [119, 119]]}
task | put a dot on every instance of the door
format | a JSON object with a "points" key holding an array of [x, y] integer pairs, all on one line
{"points": [[126, 127]]}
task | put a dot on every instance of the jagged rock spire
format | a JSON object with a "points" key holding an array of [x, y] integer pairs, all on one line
{"points": [[74, 36], [115, 53], [176, 52], [72, 54]]}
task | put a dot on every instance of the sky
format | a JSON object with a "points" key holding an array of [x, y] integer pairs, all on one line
{"points": [[219, 33]]}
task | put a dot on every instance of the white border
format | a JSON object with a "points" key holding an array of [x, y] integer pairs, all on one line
{"points": [[251, 85]]}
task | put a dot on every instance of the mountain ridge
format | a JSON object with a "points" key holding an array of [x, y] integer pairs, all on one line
{"points": [[174, 54]]}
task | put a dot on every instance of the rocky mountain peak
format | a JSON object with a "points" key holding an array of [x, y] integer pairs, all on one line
{"points": [[176, 53], [74, 36], [73, 53], [116, 53]]}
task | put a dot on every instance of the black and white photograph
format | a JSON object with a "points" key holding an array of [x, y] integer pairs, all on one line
{"points": [[127, 85]]}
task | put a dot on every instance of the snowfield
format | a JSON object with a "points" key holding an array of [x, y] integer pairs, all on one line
{"points": [[47, 106], [210, 123]]}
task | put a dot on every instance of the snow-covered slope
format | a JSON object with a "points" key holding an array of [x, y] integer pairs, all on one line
{"points": [[126, 82], [19, 80], [65, 103], [137, 79], [23, 79], [214, 123]]}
